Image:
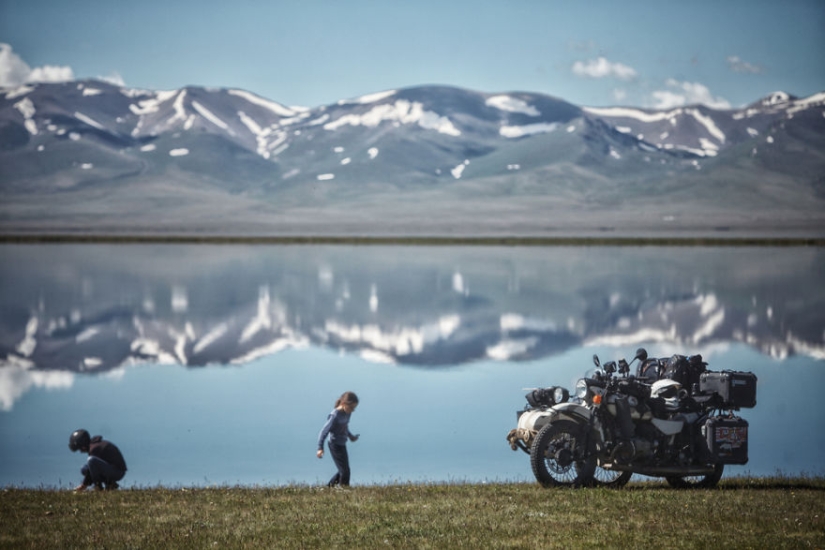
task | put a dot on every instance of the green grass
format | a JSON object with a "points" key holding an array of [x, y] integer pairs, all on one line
{"points": [[741, 513]]}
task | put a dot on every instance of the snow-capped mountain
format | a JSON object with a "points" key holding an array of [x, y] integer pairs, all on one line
{"points": [[90, 156], [705, 132]]}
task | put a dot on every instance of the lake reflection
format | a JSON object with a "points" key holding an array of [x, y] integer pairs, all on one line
{"points": [[438, 342]]}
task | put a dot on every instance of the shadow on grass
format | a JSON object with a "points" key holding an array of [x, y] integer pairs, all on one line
{"points": [[744, 483]]}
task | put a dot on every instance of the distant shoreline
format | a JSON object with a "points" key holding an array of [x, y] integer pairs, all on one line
{"points": [[58, 238]]}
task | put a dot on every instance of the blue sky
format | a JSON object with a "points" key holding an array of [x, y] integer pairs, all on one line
{"points": [[723, 53]]}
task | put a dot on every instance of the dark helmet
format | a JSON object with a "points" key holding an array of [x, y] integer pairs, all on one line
{"points": [[79, 440]]}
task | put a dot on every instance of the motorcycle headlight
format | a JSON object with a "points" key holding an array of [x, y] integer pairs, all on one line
{"points": [[581, 388], [560, 395]]}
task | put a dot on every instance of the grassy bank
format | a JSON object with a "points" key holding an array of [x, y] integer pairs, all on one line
{"points": [[741, 513]]}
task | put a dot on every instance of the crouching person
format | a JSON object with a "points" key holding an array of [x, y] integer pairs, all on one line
{"points": [[105, 465]]}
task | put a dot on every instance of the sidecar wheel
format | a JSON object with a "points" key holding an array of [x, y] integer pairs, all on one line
{"points": [[558, 456], [697, 482], [611, 479]]}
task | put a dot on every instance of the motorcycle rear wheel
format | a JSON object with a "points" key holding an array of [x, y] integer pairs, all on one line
{"points": [[558, 456], [697, 482]]}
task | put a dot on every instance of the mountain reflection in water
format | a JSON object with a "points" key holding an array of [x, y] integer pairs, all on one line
{"points": [[469, 325], [93, 308]]}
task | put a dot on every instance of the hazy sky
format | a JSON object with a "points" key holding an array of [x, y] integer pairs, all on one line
{"points": [[723, 53]]}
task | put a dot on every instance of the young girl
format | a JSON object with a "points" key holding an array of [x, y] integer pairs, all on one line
{"points": [[337, 427]]}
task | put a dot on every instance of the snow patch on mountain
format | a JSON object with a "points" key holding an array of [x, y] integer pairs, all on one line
{"points": [[211, 117], [26, 108], [259, 133], [180, 108], [369, 98], [90, 121], [458, 170], [527, 130], [637, 114], [708, 123], [511, 105], [776, 98], [250, 124], [152, 104], [694, 150], [320, 120], [401, 111], [806, 103], [272, 106], [18, 92], [706, 146]]}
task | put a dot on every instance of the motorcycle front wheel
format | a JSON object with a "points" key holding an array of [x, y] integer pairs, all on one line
{"points": [[558, 456], [697, 482]]}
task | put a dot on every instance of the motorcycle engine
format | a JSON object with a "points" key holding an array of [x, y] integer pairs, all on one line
{"points": [[628, 451]]}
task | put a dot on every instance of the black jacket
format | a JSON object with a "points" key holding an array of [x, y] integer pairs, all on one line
{"points": [[107, 451]]}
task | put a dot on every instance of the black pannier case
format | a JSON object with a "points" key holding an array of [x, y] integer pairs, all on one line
{"points": [[737, 389], [727, 439]]}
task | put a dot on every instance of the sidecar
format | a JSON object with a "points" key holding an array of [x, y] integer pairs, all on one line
{"points": [[544, 405]]}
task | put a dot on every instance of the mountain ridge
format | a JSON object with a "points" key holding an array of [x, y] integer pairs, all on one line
{"points": [[88, 155]]}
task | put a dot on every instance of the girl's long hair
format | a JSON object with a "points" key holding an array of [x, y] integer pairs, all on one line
{"points": [[347, 397]]}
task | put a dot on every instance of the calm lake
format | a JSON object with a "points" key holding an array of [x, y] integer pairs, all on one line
{"points": [[218, 364]]}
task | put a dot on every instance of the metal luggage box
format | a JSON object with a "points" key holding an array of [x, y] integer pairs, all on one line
{"points": [[727, 439], [737, 389]]}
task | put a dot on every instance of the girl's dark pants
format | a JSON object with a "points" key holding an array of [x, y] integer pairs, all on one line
{"points": [[341, 458]]}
